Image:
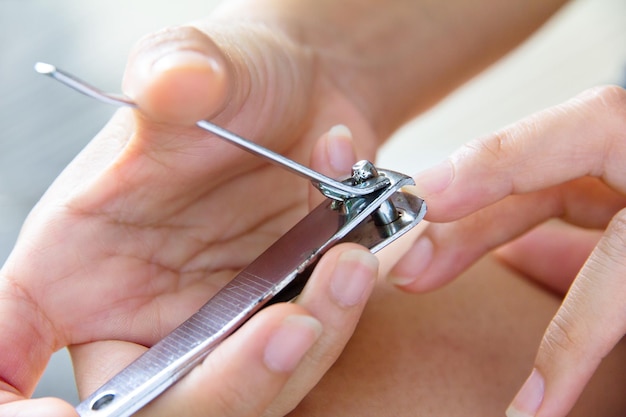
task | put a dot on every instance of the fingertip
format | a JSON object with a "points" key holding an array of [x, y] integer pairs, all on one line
{"points": [[528, 399], [334, 154], [435, 180], [186, 86], [407, 273], [177, 76]]}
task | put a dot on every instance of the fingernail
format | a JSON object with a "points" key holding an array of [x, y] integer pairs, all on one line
{"points": [[339, 148], [148, 65], [290, 342], [340, 130], [529, 398], [436, 179], [353, 277], [414, 262], [185, 58]]}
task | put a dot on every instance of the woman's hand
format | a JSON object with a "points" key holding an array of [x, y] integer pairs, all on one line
{"points": [[155, 215], [87, 280], [568, 163]]}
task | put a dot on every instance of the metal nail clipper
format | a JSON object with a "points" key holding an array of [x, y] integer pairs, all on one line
{"points": [[368, 208]]}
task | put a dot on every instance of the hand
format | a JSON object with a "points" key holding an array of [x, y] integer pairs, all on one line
{"points": [[566, 162], [155, 215], [151, 218], [109, 318]]}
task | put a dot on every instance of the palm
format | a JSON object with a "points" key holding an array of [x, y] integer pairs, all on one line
{"points": [[151, 254]]}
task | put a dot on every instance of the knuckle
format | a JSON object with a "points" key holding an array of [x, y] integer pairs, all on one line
{"points": [[230, 401], [486, 153], [502, 151], [609, 102], [505, 145], [617, 226], [561, 341], [613, 245], [329, 348], [490, 146]]}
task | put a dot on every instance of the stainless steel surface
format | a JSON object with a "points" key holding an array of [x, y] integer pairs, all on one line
{"points": [[286, 263], [329, 187]]}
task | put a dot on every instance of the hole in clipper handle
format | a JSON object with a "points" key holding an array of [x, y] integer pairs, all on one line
{"points": [[103, 401]]}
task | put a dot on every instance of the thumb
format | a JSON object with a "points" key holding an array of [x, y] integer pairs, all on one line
{"points": [[248, 78], [177, 76], [249, 74]]}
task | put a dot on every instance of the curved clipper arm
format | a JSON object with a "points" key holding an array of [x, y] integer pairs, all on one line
{"points": [[277, 275]]}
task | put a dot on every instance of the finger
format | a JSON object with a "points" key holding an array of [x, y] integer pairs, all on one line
{"points": [[336, 295], [239, 378], [588, 325], [551, 254], [27, 341], [178, 75], [446, 249], [582, 137], [333, 155], [42, 407], [255, 67], [249, 77]]}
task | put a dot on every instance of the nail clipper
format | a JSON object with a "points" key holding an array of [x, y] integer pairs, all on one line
{"points": [[368, 208]]}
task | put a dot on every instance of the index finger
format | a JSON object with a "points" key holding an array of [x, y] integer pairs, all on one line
{"points": [[586, 136]]}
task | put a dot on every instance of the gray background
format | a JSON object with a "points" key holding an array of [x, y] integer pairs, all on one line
{"points": [[43, 125]]}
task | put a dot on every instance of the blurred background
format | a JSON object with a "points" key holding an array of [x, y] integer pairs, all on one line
{"points": [[43, 125]]}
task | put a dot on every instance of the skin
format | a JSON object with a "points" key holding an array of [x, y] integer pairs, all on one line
{"points": [[565, 162], [462, 350], [107, 263]]}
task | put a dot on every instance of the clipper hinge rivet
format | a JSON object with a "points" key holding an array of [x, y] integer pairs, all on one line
{"points": [[387, 212]]}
